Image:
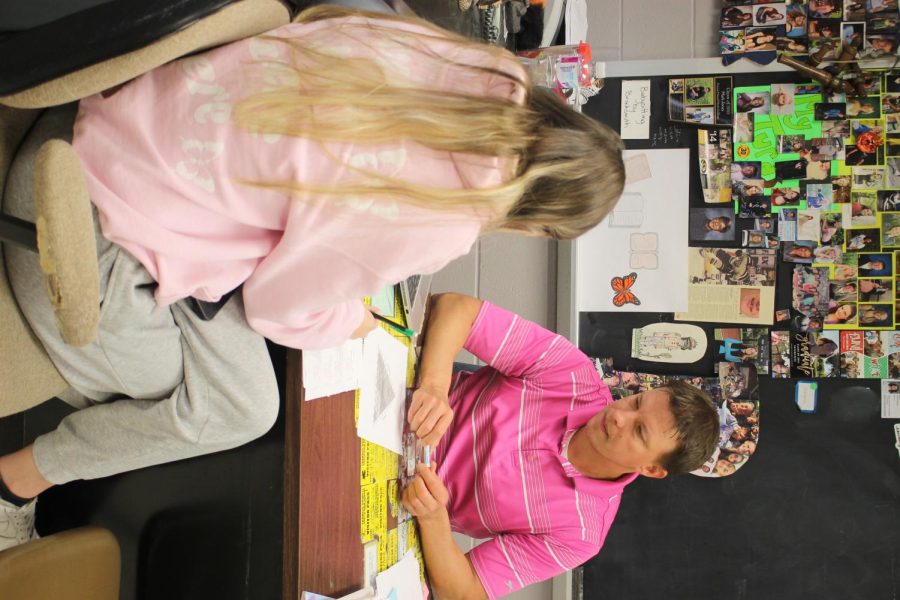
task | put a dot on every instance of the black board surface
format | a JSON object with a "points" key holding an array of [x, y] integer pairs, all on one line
{"points": [[815, 513]]}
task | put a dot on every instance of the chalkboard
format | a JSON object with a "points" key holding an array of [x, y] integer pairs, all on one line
{"points": [[814, 514]]}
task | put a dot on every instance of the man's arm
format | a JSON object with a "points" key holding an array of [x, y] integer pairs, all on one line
{"points": [[451, 574], [450, 320]]}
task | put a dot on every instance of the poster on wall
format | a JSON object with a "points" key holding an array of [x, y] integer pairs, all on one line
{"points": [[700, 100], [636, 259], [729, 285]]}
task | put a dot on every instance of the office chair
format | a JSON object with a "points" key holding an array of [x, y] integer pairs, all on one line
{"points": [[59, 62], [78, 55], [79, 564]]}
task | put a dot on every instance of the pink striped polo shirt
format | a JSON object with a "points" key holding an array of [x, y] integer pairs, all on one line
{"points": [[502, 458]]}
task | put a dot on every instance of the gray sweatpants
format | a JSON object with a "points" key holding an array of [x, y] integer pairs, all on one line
{"points": [[158, 384]]}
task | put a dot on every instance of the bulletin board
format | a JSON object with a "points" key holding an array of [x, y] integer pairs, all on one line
{"points": [[801, 518]]}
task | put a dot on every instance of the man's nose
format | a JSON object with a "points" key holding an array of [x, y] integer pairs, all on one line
{"points": [[620, 419]]}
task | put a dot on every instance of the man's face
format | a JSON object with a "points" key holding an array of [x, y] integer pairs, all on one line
{"points": [[742, 408], [724, 467], [633, 433], [717, 224]]}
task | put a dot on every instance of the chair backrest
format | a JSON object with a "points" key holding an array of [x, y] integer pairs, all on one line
{"points": [[50, 75], [27, 377]]}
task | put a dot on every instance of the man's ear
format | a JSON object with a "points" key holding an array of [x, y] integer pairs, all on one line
{"points": [[653, 471]]}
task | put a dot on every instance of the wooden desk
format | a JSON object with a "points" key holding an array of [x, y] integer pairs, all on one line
{"points": [[321, 492]]}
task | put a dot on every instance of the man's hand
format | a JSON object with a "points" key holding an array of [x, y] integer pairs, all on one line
{"points": [[368, 324], [426, 496], [429, 414]]}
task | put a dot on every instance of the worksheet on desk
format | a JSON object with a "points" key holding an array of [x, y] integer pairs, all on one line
{"points": [[332, 370], [382, 391]]}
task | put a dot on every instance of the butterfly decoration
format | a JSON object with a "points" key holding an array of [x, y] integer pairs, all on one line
{"points": [[622, 288]]}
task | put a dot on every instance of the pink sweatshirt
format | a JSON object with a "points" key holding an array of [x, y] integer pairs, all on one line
{"points": [[163, 161]]}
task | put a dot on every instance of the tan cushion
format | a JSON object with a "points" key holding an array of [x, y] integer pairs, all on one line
{"points": [[68, 248], [234, 22], [27, 377], [80, 564]]}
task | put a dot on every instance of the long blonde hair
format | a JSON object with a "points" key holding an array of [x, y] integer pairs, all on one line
{"points": [[566, 170]]}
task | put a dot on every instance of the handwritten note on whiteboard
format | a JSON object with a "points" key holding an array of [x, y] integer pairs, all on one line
{"points": [[635, 109]]}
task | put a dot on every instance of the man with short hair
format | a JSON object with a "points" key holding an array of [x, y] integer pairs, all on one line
{"points": [[531, 450]]}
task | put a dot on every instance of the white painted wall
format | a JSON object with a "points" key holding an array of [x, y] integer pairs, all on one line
{"points": [[519, 273]]}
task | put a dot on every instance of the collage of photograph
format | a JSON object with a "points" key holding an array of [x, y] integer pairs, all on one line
{"points": [[833, 184], [808, 27]]}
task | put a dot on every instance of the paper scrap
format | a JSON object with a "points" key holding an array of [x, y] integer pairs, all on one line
{"points": [[332, 370], [370, 562], [382, 391], [385, 301], [805, 395], [897, 436], [890, 398], [364, 594], [635, 109], [401, 580]]}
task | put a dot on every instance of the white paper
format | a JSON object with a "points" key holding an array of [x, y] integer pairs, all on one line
{"points": [[364, 594], [401, 581], [890, 399], [635, 115], [646, 233], [382, 391], [805, 396], [333, 370]]}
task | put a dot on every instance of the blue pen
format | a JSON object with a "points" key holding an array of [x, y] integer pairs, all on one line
{"points": [[407, 332]]}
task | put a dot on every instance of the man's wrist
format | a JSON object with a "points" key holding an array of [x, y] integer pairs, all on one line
{"points": [[436, 518], [434, 383]]}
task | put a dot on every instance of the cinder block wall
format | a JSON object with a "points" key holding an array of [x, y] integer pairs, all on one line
{"points": [[519, 273]]}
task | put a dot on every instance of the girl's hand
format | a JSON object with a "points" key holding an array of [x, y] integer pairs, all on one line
{"points": [[369, 323]]}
